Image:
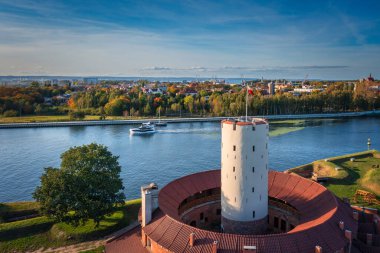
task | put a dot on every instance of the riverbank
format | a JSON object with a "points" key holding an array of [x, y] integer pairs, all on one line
{"points": [[59, 122], [353, 176]]}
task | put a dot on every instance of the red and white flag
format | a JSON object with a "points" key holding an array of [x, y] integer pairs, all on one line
{"points": [[250, 90]]}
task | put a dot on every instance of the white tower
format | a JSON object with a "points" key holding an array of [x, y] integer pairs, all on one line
{"points": [[244, 190]]}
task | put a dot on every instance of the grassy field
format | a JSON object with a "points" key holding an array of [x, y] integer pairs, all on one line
{"points": [[60, 118], [41, 232], [31, 119], [360, 174], [17, 209]]}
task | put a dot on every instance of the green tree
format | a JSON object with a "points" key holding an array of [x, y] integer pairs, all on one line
{"points": [[86, 186], [74, 115]]}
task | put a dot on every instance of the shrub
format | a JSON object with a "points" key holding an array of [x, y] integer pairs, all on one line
{"points": [[10, 113], [74, 115]]}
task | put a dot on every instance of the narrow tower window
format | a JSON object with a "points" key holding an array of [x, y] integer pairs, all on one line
{"points": [[233, 169], [234, 126], [253, 148], [253, 214], [253, 189], [253, 169], [253, 128], [234, 148]]}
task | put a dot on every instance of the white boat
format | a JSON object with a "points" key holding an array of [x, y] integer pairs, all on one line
{"points": [[160, 123], [145, 128]]}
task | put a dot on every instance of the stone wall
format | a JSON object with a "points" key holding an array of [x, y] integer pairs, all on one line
{"points": [[245, 227]]}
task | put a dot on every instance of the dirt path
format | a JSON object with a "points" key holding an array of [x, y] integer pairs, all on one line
{"points": [[88, 245]]}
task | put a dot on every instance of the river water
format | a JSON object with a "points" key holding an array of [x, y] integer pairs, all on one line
{"points": [[176, 150]]}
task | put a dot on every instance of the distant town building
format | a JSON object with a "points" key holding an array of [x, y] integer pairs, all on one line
{"points": [[271, 88], [90, 80], [370, 78]]}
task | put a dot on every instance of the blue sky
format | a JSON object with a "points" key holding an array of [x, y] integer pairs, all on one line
{"points": [[273, 39]]}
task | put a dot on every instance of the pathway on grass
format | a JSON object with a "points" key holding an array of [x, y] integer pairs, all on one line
{"points": [[90, 244]]}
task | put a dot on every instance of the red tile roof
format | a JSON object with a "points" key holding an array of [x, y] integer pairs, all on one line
{"points": [[320, 213], [129, 242]]}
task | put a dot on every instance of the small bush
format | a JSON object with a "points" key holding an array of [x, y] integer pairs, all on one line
{"points": [[76, 115], [10, 113]]}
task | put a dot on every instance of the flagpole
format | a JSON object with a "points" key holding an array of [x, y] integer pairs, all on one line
{"points": [[246, 104]]}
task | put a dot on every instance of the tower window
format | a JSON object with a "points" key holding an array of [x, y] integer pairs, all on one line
{"points": [[201, 216], [234, 126], [253, 148], [234, 148], [283, 225], [235, 177], [235, 199], [260, 197], [253, 128], [253, 214], [253, 189], [275, 223], [253, 169], [233, 169]]}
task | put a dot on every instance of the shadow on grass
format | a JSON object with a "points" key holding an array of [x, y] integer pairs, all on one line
{"points": [[130, 214], [25, 231], [350, 179]]}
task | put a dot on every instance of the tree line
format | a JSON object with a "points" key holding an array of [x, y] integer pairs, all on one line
{"points": [[222, 100]]}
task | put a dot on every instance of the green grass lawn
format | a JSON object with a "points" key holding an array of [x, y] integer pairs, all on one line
{"points": [[357, 175], [53, 118], [59, 118], [41, 232], [17, 209], [360, 176]]}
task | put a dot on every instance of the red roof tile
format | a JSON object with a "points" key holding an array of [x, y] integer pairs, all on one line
{"points": [[320, 213], [129, 242]]}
